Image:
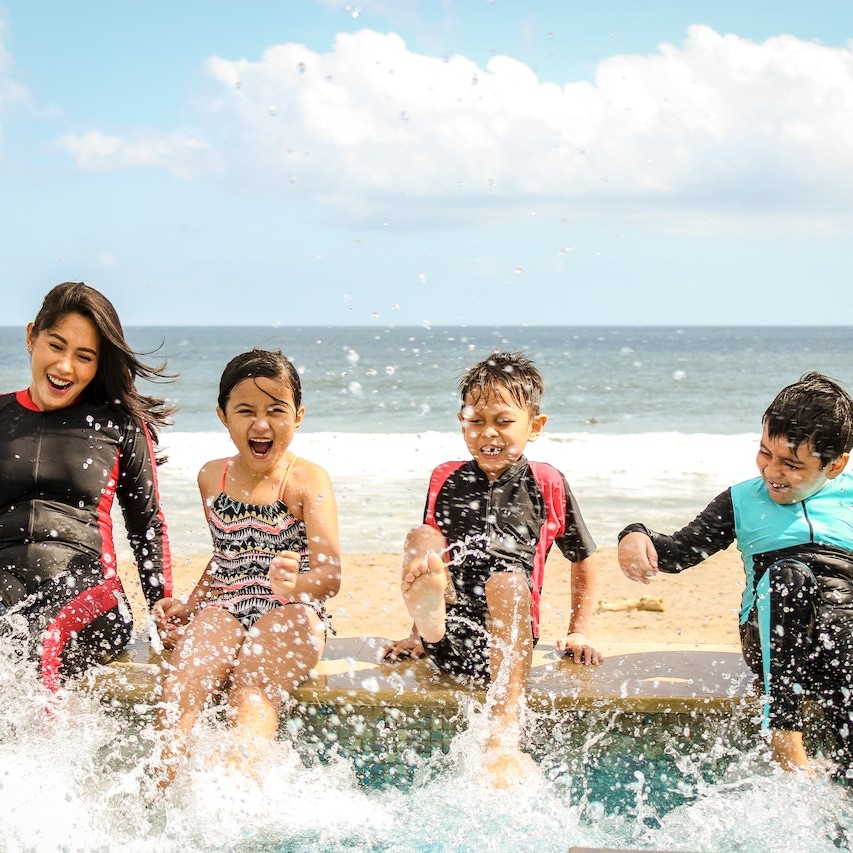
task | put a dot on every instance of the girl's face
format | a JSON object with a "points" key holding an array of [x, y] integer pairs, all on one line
{"points": [[261, 419], [64, 360]]}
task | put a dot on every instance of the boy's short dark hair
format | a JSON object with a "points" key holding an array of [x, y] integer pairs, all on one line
{"points": [[504, 372], [817, 410]]}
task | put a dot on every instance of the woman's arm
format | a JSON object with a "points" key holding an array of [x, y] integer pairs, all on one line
{"points": [[139, 497]]}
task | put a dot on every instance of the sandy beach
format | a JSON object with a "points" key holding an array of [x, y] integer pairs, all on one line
{"points": [[698, 606]]}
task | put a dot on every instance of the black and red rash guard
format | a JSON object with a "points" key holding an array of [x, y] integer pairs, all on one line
{"points": [[60, 471]]}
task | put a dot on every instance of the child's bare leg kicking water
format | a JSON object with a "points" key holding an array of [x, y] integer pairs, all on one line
{"points": [[255, 623], [499, 515]]}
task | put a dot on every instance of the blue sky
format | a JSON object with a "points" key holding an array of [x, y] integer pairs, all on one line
{"points": [[402, 162]]}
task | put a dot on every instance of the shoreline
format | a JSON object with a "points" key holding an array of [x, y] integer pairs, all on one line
{"points": [[699, 606]]}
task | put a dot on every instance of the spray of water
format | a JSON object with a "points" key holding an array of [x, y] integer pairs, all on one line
{"points": [[75, 775]]}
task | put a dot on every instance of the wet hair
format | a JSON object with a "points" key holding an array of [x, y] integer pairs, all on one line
{"points": [[502, 373], [259, 364], [816, 410], [118, 365]]}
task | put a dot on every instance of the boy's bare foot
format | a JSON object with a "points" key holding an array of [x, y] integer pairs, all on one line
{"points": [[423, 587], [507, 767], [788, 750]]}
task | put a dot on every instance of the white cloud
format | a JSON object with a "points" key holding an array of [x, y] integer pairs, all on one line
{"points": [[11, 91], [718, 123], [95, 151]]}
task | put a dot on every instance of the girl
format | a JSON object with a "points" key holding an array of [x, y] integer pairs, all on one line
{"points": [[255, 622], [79, 436]]}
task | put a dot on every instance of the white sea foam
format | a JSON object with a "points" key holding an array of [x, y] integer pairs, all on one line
{"points": [[661, 478]]}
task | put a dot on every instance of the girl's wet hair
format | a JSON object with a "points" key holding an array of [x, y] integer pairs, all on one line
{"points": [[817, 410], [511, 373], [118, 365], [259, 364]]}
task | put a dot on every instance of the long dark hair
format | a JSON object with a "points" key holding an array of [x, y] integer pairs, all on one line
{"points": [[118, 365]]}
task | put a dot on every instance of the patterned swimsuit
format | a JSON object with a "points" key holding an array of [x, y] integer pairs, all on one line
{"points": [[246, 537]]}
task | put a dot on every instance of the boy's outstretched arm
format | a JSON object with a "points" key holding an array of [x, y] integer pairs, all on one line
{"points": [[576, 641], [638, 557]]}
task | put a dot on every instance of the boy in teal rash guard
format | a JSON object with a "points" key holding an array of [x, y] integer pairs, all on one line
{"points": [[794, 528]]}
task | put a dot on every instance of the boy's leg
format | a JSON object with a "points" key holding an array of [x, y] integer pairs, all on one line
{"points": [[425, 581], [283, 647], [198, 667], [778, 644], [511, 652], [834, 637]]}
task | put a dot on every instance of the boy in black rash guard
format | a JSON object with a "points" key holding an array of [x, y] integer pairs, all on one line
{"points": [[79, 436], [488, 526], [794, 528]]}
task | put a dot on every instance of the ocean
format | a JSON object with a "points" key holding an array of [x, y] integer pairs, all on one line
{"points": [[647, 423]]}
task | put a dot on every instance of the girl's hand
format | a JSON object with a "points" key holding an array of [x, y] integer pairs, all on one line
{"points": [[284, 570], [170, 616]]}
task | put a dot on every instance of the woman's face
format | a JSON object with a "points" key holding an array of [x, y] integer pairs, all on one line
{"points": [[64, 360]]}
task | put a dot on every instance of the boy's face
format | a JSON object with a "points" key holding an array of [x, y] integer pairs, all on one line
{"points": [[793, 474], [496, 430]]}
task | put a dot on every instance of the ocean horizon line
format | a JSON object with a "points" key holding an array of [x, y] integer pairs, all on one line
{"points": [[433, 326]]}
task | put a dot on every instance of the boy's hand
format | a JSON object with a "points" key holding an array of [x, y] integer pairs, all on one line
{"points": [[638, 558], [411, 647], [580, 649], [170, 617], [283, 572]]}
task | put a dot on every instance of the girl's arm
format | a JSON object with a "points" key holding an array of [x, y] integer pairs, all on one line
{"points": [[310, 496], [171, 614]]}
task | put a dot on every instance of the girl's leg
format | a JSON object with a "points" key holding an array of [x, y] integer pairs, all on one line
{"points": [[199, 667], [283, 647]]}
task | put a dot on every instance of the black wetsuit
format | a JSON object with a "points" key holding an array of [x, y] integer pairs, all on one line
{"points": [[796, 619], [59, 473], [502, 526]]}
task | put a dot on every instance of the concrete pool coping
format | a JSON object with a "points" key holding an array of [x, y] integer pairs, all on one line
{"points": [[636, 678]]}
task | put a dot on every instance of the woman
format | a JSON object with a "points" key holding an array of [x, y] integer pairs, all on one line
{"points": [[79, 436]]}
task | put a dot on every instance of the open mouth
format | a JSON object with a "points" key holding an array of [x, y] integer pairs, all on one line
{"points": [[58, 384], [490, 451], [260, 447]]}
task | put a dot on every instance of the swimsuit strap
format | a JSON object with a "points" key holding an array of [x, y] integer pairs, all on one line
{"points": [[287, 474], [291, 465], [224, 472]]}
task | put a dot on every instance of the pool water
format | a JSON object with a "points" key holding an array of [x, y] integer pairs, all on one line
{"points": [[75, 775]]}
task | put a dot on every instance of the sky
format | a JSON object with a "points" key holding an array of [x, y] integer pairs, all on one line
{"points": [[404, 162]]}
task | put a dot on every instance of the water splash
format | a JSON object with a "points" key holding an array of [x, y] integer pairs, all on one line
{"points": [[75, 774]]}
